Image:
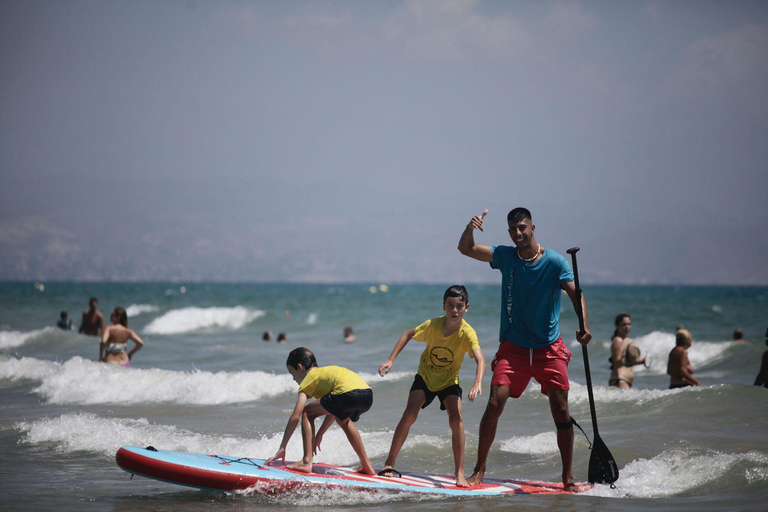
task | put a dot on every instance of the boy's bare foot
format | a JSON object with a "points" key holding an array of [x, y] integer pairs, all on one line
{"points": [[301, 466], [476, 478], [365, 470], [461, 481]]}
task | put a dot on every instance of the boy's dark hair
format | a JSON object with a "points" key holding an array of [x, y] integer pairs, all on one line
{"points": [[456, 290], [518, 215], [302, 356]]}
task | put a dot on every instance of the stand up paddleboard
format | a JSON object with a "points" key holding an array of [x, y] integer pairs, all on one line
{"points": [[223, 473]]}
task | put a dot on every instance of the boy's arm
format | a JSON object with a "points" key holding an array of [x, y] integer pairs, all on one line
{"points": [[477, 387], [327, 422], [399, 346], [570, 289], [294, 420], [467, 245]]}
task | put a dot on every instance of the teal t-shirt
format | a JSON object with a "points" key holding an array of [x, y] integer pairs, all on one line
{"points": [[530, 296]]}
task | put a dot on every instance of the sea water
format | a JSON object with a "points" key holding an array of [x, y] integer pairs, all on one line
{"points": [[206, 382]]}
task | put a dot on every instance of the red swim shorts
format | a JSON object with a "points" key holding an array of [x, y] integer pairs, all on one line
{"points": [[513, 366]]}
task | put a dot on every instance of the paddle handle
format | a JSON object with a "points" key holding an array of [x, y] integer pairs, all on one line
{"points": [[580, 313]]}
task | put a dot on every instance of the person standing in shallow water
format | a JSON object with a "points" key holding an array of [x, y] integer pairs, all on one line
{"points": [[92, 322], [114, 341], [679, 367], [533, 278], [622, 375]]}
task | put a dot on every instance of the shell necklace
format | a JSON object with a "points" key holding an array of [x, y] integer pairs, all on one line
{"points": [[529, 260]]}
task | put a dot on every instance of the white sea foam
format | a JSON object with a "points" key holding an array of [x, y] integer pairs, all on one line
{"points": [[312, 319], [191, 319], [605, 394], [314, 497], [85, 382], [656, 346], [373, 378], [676, 471], [80, 381], [540, 444], [89, 432], [27, 368], [11, 339], [140, 309]]}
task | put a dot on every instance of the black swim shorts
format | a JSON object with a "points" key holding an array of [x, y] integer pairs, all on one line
{"points": [[348, 405], [418, 383]]}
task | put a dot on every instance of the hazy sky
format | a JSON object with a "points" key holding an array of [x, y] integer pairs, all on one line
{"points": [[352, 141]]}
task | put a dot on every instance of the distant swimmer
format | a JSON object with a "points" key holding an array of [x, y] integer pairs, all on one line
{"points": [[624, 354], [738, 336], [349, 335], [762, 376], [679, 367], [65, 322], [114, 341], [92, 323], [267, 336], [282, 338]]}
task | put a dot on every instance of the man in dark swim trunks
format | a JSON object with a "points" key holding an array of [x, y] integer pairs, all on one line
{"points": [[92, 323]]}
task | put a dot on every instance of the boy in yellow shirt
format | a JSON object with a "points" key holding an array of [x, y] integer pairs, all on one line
{"points": [[343, 396], [448, 338]]}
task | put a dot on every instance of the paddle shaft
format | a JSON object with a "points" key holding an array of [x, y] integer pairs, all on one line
{"points": [[580, 313]]}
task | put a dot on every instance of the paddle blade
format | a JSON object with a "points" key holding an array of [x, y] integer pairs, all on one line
{"points": [[602, 467]]}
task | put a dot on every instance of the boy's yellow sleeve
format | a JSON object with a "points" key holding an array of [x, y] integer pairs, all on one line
{"points": [[420, 332], [473, 342]]}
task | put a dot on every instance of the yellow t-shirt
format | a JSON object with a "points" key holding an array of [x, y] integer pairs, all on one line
{"points": [[441, 360], [331, 379]]}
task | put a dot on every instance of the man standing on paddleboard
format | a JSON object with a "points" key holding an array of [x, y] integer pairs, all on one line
{"points": [[530, 343]]}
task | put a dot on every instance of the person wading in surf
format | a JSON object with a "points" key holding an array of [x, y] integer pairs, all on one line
{"points": [[530, 343]]}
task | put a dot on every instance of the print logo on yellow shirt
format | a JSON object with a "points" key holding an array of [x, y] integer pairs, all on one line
{"points": [[441, 357]]}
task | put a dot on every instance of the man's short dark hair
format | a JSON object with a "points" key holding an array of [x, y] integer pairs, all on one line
{"points": [[302, 356], [518, 215], [457, 290]]}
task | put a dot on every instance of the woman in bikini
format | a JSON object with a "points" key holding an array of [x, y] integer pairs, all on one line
{"points": [[114, 340], [622, 374]]}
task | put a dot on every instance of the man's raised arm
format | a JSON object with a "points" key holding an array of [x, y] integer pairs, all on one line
{"points": [[467, 245]]}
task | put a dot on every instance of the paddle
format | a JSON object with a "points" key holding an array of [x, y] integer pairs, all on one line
{"points": [[602, 467]]}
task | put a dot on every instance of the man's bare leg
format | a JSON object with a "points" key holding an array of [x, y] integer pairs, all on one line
{"points": [[558, 403], [496, 402]]}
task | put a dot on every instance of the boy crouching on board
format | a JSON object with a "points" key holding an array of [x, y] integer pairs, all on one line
{"points": [[448, 338], [343, 396]]}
